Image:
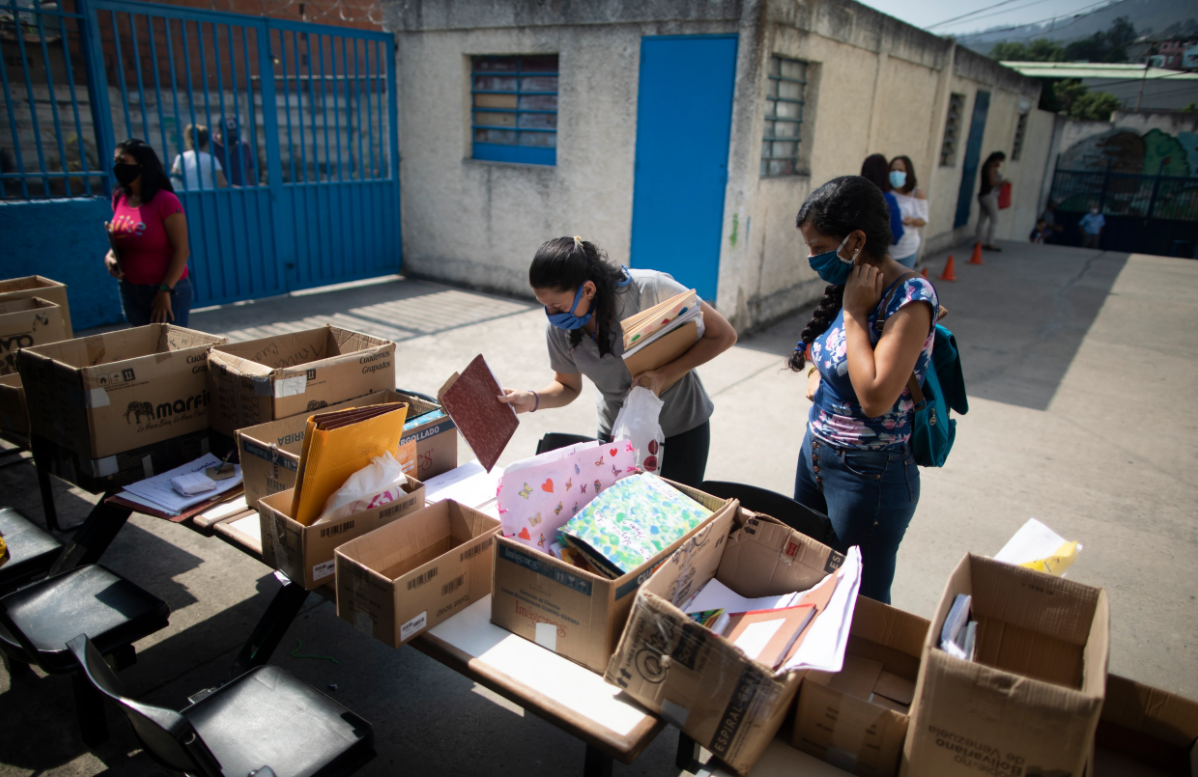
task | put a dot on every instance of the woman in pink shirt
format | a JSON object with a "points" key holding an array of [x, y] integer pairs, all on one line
{"points": [[148, 233]]}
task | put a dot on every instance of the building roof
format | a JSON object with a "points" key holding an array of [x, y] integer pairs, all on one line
{"points": [[1097, 70]]}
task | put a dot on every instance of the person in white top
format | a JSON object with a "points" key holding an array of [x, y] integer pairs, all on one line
{"points": [[195, 167], [913, 205]]}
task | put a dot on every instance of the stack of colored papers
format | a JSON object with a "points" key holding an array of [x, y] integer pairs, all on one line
{"points": [[650, 325], [630, 522]]}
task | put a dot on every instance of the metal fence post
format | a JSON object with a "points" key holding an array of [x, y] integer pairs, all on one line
{"points": [[284, 237], [97, 89]]}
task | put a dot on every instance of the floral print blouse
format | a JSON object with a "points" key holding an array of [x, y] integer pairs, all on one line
{"points": [[836, 416]]}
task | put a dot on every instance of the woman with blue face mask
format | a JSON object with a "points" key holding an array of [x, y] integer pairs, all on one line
{"points": [[856, 464], [585, 299]]}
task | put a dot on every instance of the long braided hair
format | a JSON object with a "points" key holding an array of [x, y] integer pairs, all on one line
{"points": [[563, 265], [835, 209]]}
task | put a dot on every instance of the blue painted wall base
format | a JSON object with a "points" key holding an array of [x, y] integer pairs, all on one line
{"points": [[63, 240]]}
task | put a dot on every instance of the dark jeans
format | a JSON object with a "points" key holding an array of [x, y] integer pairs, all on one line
{"points": [[138, 301], [870, 497], [685, 455]]}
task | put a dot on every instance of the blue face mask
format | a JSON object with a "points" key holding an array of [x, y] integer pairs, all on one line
{"points": [[831, 267], [568, 320], [898, 179]]}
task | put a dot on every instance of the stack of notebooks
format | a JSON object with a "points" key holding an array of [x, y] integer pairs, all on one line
{"points": [[661, 334], [628, 524], [768, 629], [338, 444], [156, 496], [958, 636]]}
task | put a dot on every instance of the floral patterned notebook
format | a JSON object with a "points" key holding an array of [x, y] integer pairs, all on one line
{"points": [[632, 521]]}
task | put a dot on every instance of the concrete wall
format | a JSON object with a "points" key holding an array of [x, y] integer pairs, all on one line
{"points": [[875, 85], [63, 240]]}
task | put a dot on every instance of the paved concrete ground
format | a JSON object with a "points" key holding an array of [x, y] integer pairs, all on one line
{"points": [[1080, 366]]}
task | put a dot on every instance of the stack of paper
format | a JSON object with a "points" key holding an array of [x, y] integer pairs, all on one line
{"points": [[630, 523], [338, 444], [469, 484], [157, 493], [815, 641], [958, 635], [650, 325], [1035, 546]]}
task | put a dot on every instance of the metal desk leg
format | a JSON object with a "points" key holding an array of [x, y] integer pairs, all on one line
{"points": [[688, 754], [596, 764], [270, 629], [94, 536]]}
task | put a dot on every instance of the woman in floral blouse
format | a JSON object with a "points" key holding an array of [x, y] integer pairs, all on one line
{"points": [[856, 463]]}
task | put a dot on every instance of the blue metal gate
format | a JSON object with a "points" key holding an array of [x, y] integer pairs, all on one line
{"points": [[279, 134]]}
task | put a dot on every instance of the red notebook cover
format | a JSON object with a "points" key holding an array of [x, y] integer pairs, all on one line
{"points": [[472, 401]]}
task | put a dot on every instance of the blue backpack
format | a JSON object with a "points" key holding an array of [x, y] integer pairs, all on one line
{"points": [[932, 429]]}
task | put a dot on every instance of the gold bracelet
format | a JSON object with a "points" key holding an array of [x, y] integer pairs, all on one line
{"points": [[811, 369]]}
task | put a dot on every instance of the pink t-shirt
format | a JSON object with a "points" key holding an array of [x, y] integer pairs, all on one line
{"points": [[140, 236]]}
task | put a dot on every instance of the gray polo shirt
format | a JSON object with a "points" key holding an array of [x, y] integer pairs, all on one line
{"points": [[687, 405]]}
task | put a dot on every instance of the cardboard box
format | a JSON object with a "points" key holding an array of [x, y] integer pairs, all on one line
{"points": [[695, 679], [284, 375], [1029, 702], [857, 719], [24, 323], [305, 553], [270, 452], [1144, 731], [570, 611], [120, 391], [113, 472], [14, 416], [37, 286], [414, 573]]}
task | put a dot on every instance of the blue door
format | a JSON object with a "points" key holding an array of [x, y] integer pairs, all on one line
{"points": [[973, 152], [683, 122]]}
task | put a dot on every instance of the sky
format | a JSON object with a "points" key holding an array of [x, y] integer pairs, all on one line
{"points": [[930, 13]]}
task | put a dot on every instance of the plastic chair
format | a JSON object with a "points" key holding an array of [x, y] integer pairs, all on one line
{"points": [[265, 722], [36, 621], [31, 550], [760, 500], [555, 440]]}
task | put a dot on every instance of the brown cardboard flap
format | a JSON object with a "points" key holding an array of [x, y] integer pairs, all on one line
{"points": [[766, 559], [1040, 656], [1026, 599]]}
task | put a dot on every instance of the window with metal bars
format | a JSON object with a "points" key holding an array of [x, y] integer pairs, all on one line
{"points": [[952, 130], [514, 108], [1020, 132], [783, 116]]}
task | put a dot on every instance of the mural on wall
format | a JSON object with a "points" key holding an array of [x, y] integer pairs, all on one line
{"points": [[1153, 153]]}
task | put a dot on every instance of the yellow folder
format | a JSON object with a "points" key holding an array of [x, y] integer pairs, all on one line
{"points": [[336, 445]]}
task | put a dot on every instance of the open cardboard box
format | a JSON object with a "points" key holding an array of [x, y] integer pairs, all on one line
{"points": [[1032, 697], [270, 452], [37, 286], [413, 573], [573, 612], [305, 553], [1145, 732], [696, 679], [856, 719], [298, 372], [24, 323]]}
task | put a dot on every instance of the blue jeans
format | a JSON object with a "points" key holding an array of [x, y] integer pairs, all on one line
{"points": [[138, 301], [870, 497], [906, 261]]}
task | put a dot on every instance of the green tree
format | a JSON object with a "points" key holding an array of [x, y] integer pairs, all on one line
{"points": [[1093, 106], [1039, 50]]}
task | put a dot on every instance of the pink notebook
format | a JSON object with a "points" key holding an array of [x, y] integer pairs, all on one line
{"points": [[472, 400]]}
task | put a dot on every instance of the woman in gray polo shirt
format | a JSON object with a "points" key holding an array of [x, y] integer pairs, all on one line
{"points": [[585, 299]]}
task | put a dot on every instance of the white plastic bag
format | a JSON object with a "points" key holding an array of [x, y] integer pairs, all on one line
{"points": [[638, 423], [379, 482]]}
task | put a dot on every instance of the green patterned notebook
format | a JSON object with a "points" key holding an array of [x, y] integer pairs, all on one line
{"points": [[632, 521]]}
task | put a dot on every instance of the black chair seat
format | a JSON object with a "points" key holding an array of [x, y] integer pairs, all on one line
{"points": [[266, 717], [761, 500], [31, 549], [555, 440], [110, 610]]}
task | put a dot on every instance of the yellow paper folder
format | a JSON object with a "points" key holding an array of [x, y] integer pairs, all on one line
{"points": [[336, 445]]}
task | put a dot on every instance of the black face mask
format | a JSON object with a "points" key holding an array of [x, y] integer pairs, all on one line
{"points": [[126, 173]]}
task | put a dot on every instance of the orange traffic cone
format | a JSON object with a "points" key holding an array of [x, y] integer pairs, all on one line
{"points": [[924, 272], [948, 274], [977, 254]]}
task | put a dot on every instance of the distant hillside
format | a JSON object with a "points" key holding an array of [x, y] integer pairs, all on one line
{"points": [[1149, 16]]}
